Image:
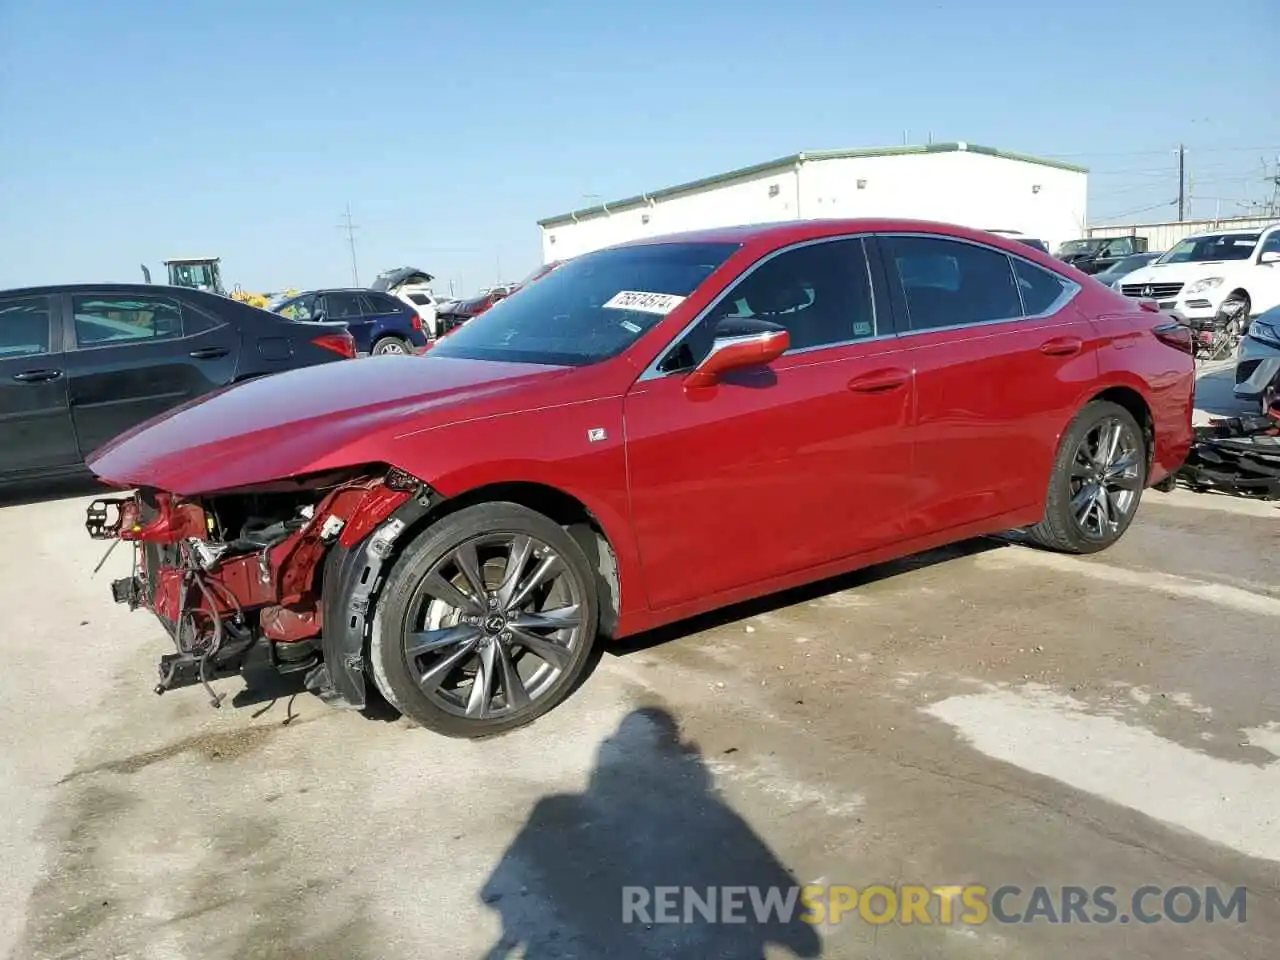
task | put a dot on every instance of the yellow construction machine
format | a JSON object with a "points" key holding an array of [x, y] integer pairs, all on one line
{"points": [[205, 273]]}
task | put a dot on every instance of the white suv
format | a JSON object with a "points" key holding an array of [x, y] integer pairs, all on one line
{"points": [[1231, 275]]}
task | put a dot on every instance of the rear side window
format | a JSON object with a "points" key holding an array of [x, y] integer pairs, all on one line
{"points": [[24, 327], [379, 303], [421, 299], [103, 321], [1041, 289], [948, 283], [342, 306]]}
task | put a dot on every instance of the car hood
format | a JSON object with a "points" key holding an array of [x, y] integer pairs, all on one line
{"points": [[316, 418], [1182, 272]]}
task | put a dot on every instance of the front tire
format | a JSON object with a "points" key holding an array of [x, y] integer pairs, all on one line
{"points": [[486, 623], [1098, 477]]}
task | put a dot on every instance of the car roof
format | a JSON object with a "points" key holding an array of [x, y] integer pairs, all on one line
{"points": [[107, 287], [792, 231], [320, 290], [1234, 232]]}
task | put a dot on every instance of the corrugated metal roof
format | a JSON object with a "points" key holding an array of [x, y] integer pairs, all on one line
{"points": [[693, 186]]}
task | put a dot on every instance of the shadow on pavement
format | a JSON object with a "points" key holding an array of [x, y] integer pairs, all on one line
{"points": [[27, 492], [649, 818]]}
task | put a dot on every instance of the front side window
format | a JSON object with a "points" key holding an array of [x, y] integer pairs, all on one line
{"points": [[949, 283], [820, 292], [101, 321], [24, 327], [301, 308], [1271, 244], [590, 309]]}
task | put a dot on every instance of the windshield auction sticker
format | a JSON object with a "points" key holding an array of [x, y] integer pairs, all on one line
{"points": [[660, 303]]}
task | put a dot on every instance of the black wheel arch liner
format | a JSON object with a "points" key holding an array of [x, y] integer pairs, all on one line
{"points": [[352, 579]]}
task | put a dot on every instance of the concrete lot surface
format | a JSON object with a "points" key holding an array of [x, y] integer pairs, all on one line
{"points": [[987, 714]]}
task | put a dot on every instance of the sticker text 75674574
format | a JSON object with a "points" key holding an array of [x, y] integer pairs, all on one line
{"points": [[659, 303]]}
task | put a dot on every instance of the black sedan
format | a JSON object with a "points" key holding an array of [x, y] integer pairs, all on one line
{"points": [[80, 364]]}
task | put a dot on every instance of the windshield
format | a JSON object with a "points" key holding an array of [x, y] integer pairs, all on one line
{"points": [[1222, 246], [589, 309], [1080, 246], [196, 275]]}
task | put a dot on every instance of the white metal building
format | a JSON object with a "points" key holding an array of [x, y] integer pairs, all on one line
{"points": [[959, 183], [1162, 236]]}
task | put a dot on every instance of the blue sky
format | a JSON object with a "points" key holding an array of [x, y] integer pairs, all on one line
{"points": [[134, 131]]}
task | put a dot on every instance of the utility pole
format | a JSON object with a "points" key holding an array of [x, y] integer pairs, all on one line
{"points": [[351, 229], [1182, 180]]}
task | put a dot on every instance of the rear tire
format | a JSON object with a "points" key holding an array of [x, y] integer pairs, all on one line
{"points": [[1097, 481], [391, 345], [467, 646]]}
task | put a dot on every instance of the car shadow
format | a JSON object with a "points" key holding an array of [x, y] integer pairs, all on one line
{"points": [[584, 876], [26, 492], [806, 593]]}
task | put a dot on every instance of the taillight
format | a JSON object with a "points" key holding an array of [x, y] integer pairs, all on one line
{"points": [[340, 343], [1175, 335], [415, 321]]}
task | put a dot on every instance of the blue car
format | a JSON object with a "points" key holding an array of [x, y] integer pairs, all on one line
{"points": [[379, 323]]}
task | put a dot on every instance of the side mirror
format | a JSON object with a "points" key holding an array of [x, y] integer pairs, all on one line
{"points": [[1269, 257], [740, 342]]}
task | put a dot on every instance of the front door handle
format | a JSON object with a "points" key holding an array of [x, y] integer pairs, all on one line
{"points": [[878, 381], [37, 376], [1062, 346], [210, 353]]}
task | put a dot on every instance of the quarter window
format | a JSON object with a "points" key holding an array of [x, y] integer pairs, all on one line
{"points": [[126, 319], [1041, 288], [24, 327], [948, 283]]}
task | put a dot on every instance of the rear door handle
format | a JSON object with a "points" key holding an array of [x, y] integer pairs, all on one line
{"points": [[878, 381], [210, 353], [37, 376], [1062, 346]]}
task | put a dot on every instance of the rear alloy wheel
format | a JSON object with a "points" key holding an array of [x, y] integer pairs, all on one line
{"points": [[391, 345], [1098, 478], [486, 623]]}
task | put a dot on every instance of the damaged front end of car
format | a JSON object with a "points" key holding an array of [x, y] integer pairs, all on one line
{"points": [[277, 578]]}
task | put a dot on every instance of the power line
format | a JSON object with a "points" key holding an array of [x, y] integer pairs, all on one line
{"points": [[351, 229], [1155, 153]]}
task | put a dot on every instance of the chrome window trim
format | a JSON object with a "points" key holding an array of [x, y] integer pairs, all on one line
{"points": [[652, 371], [1070, 288]]}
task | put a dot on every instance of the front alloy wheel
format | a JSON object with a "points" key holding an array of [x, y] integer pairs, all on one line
{"points": [[496, 622], [486, 622]]}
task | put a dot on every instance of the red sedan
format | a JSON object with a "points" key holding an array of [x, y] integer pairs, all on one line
{"points": [[710, 417]]}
